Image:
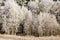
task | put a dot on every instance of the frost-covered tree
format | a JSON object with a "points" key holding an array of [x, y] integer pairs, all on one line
{"points": [[45, 5], [47, 24], [55, 9], [34, 7], [34, 24], [2, 9], [12, 17], [27, 23]]}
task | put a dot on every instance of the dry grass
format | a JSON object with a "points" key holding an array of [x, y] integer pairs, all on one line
{"points": [[13, 37]]}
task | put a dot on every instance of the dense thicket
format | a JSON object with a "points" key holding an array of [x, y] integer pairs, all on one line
{"points": [[30, 17]]}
